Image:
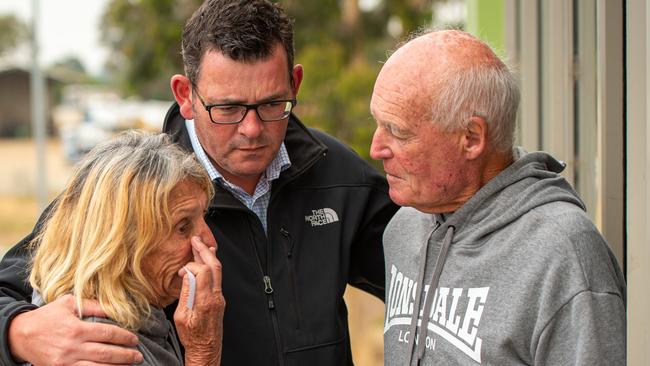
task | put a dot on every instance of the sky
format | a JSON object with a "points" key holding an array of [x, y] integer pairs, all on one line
{"points": [[66, 28]]}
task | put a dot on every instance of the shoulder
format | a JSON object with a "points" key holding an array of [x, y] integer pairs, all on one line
{"points": [[174, 125], [153, 348], [336, 149], [408, 225], [570, 237], [340, 165]]}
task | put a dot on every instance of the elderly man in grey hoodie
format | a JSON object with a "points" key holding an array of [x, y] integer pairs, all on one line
{"points": [[492, 260]]}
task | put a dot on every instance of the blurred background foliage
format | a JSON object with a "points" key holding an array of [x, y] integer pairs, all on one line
{"points": [[144, 41], [340, 43], [12, 33]]}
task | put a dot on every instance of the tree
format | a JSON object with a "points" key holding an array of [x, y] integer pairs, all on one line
{"points": [[12, 33], [69, 69], [71, 63], [144, 38]]}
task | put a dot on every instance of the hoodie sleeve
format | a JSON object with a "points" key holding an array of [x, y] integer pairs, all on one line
{"points": [[588, 330]]}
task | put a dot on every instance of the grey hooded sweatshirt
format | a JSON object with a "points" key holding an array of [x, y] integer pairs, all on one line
{"points": [[521, 277], [158, 342]]}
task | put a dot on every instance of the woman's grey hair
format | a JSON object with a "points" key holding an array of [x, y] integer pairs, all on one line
{"points": [[112, 214]]}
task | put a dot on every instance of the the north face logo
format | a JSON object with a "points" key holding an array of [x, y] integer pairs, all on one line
{"points": [[322, 217]]}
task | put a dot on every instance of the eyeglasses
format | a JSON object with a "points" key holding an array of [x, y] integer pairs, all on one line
{"points": [[230, 114]]}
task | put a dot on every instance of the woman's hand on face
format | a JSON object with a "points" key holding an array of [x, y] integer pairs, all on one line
{"points": [[201, 328]]}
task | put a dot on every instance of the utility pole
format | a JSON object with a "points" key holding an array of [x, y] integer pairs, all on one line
{"points": [[38, 105]]}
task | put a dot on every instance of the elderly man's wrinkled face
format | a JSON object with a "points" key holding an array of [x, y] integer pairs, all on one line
{"points": [[423, 164], [187, 205], [426, 167]]}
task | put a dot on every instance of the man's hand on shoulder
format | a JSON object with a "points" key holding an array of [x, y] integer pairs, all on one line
{"points": [[54, 335]]}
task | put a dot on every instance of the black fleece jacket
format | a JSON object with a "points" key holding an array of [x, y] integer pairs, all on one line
{"points": [[284, 289]]}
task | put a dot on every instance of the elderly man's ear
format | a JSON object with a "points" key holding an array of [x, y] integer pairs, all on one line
{"points": [[475, 138]]}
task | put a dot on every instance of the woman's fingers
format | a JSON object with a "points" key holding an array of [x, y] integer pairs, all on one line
{"points": [[203, 276], [206, 255], [200, 328]]}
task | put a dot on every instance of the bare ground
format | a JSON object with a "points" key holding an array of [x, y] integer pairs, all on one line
{"points": [[18, 209]]}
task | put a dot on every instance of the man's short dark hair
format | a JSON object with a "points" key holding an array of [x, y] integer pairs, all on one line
{"points": [[243, 30]]}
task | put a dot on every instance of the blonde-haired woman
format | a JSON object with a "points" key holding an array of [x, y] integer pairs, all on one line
{"points": [[128, 231]]}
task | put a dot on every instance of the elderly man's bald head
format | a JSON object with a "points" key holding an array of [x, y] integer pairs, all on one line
{"points": [[450, 76], [452, 50]]}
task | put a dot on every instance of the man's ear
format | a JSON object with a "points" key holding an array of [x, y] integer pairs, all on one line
{"points": [[296, 74], [475, 137], [182, 89]]}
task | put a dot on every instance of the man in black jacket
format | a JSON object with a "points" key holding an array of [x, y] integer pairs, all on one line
{"points": [[297, 215]]}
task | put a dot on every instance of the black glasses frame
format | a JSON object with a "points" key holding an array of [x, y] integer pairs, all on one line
{"points": [[248, 107]]}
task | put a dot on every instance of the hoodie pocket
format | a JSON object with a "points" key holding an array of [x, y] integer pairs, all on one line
{"points": [[330, 353]]}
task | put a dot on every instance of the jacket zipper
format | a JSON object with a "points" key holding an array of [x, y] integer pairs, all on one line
{"points": [[268, 291], [292, 278], [267, 279]]}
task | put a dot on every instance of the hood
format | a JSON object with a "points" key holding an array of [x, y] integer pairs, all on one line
{"points": [[532, 180]]}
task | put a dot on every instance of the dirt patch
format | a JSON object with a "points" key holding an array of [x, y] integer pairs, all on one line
{"points": [[366, 317], [18, 161], [18, 208], [17, 218]]}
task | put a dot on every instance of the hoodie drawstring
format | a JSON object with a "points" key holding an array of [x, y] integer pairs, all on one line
{"points": [[440, 261], [418, 295]]}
